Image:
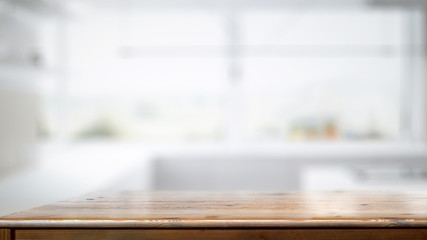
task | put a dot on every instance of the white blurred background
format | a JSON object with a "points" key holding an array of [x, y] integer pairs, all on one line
{"points": [[210, 95]]}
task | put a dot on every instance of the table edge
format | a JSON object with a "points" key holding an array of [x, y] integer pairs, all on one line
{"points": [[176, 224]]}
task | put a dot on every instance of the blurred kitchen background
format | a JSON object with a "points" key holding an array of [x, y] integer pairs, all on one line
{"points": [[210, 95]]}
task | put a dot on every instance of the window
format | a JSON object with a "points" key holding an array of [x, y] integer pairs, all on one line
{"points": [[322, 74], [280, 74]]}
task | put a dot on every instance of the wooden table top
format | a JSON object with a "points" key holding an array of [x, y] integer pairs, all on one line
{"points": [[229, 210]]}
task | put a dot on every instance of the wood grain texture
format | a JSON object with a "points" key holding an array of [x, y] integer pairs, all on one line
{"points": [[229, 210], [5, 234], [258, 234]]}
